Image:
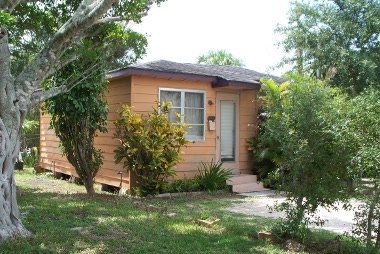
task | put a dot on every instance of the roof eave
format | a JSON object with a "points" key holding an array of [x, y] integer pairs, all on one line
{"points": [[158, 74], [222, 83], [216, 82]]}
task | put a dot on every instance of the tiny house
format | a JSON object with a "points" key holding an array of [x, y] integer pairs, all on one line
{"points": [[218, 102]]}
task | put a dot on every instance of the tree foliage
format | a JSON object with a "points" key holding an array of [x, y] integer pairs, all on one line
{"points": [[220, 57], [76, 118], [37, 39], [364, 134], [263, 149], [336, 40], [305, 123], [150, 146]]}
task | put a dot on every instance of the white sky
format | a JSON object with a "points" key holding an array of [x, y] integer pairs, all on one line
{"points": [[181, 30]]}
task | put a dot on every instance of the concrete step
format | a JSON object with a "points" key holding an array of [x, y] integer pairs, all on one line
{"points": [[240, 179], [247, 187]]}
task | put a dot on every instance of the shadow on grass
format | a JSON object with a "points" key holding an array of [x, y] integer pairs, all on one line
{"points": [[75, 223]]}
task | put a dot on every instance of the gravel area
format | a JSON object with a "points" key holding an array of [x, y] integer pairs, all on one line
{"points": [[258, 203]]}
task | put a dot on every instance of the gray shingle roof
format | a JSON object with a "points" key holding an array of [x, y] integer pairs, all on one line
{"points": [[218, 75], [226, 72]]}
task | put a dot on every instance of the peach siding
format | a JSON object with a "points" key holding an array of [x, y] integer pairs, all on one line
{"points": [[248, 124], [142, 93], [144, 97], [145, 94], [119, 92]]}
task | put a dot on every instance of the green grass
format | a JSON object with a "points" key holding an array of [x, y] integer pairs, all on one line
{"points": [[113, 224]]}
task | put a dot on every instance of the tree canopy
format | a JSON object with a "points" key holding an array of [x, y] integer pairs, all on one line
{"points": [[335, 39], [220, 57], [37, 39]]}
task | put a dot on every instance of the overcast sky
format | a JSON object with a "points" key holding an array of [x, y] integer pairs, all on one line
{"points": [[181, 30]]}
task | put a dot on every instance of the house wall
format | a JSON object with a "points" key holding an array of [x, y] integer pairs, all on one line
{"points": [[145, 96], [119, 92], [145, 92], [248, 127], [142, 93]]}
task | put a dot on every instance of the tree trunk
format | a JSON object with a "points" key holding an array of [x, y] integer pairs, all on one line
{"points": [[369, 224], [10, 125], [12, 112], [89, 185], [10, 223], [377, 245], [300, 210], [76, 155]]}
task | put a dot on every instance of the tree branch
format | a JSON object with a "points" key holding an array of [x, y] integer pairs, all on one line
{"points": [[7, 92], [110, 19], [39, 95], [88, 12], [9, 5], [62, 64]]}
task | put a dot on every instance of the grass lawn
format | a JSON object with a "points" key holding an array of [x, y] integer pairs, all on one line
{"points": [[64, 220]]}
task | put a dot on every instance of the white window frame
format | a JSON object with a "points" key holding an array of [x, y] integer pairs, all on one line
{"points": [[183, 91]]}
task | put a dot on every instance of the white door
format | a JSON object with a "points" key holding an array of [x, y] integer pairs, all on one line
{"points": [[227, 130]]}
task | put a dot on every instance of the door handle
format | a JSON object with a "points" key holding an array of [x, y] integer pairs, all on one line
{"points": [[217, 137]]}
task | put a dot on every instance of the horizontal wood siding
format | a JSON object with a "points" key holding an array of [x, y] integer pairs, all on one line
{"points": [[144, 97], [119, 92], [248, 127], [51, 157], [142, 94]]}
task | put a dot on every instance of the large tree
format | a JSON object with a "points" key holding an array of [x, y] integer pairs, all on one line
{"points": [[335, 39], [46, 50]]}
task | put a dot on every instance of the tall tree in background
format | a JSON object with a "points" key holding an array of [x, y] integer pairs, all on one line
{"points": [[38, 38], [335, 39], [220, 57]]}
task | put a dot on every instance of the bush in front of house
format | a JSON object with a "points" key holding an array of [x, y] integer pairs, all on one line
{"points": [[213, 176], [182, 185], [30, 157], [150, 146], [306, 124]]}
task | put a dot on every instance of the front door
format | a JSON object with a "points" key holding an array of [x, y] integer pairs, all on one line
{"points": [[227, 130]]}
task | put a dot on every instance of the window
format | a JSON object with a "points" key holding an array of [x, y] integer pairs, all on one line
{"points": [[191, 105]]}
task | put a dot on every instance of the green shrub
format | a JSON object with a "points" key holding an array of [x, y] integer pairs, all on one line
{"points": [[182, 185], [150, 146], [266, 158], [30, 159], [306, 124], [364, 135], [212, 176]]}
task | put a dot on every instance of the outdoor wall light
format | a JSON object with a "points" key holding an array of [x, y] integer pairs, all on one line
{"points": [[210, 102]]}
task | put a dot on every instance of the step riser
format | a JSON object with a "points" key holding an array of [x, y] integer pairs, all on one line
{"points": [[248, 187], [242, 179]]}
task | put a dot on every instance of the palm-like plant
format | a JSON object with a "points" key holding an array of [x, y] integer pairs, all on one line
{"points": [[213, 176], [220, 57]]}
